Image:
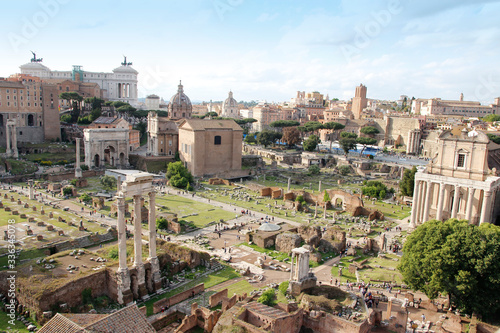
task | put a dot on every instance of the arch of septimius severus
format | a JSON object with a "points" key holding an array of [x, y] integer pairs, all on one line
{"points": [[460, 181]]}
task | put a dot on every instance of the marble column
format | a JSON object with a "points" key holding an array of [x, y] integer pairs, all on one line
{"points": [[7, 137], [454, 209], [123, 277], [138, 264], [468, 211], [15, 153], [439, 210], [319, 187], [421, 201], [153, 259], [78, 169], [427, 201], [291, 267], [414, 207], [289, 183], [485, 208]]}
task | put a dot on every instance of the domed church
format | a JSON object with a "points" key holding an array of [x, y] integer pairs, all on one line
{"points": [[180, 105], [230, 107]]}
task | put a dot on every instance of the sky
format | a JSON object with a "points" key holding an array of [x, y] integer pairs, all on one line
{"points": [[267, 50]]}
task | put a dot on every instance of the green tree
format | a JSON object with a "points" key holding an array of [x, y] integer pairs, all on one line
{"points": [[129, 109], [491, 118], [178, 175], [75, 100], [348, 135], [96, 102], [108, 182], [118, 104], [407, 184], [311, 126], [369, 130], [284, 123], [96, 113], [161, 223], [66, 118], [375, 189], [311, 143], [250, 138], [68, 190], [365, 142], [85, 198], [291, 135], [494, 138], [266, 138], [268, 297], [347, 144], [314, 170], [344, 170], [326, 197], [455, 258]]}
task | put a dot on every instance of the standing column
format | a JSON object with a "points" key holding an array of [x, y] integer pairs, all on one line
{"points": [[123, 277], [414, 209], [439, 212], [139, 266], [485, 208], [454, 209], [291, 267], [468, 211], [7, 136], [78, 170], [153, 259], [31, 194], [420, 208], [289, 183], [427, 201], [122, 233], [15, 153], [319, 187]]}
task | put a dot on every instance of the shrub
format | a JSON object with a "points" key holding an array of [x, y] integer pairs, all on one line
{"points": [[84, 167], [314, 170], [46, 163], [68, 190], [85, 198], [283, 287], [73, 181], [267, 297], [344, 170], [162, 223], [300, 199], [87, 296]]}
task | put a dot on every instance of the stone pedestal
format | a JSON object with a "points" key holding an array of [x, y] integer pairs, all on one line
{"points": [[123, 286]]}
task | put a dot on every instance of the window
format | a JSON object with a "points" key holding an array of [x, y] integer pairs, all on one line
{"points": [[217, 140], [461, 161]]}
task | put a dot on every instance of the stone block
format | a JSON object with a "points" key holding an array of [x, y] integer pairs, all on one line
{"points": [[39, 237], [19, 202], [29, 232], [60, 232], [7, 209], [352, 269], [50, 227], [40, 223], [15, 212], [81, 228], [23, 216], [34, 208], [60, 219], [42, 212], [26, 205], [31, 219], [51, 215]]}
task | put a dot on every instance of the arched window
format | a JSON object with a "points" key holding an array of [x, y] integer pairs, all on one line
{"points": [[217, 140], [31, 121]]}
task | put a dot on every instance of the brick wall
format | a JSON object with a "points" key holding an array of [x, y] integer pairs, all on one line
{"points": [[330, 323], [217, 298], [157, 306]]}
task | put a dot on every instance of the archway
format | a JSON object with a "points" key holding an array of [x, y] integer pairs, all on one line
{"points": [[338, 203], [122, 159], [109, 155], [97, 160]]}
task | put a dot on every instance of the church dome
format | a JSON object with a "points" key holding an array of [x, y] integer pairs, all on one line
{"points": [[180, 105], [230, 102]]}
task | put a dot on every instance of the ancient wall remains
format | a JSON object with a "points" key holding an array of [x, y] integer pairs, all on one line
{"points": [[217, 298], [157, 306]]}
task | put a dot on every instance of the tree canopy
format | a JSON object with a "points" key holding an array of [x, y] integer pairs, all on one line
{"points": [[348, 135], [369, 130], [347, 144], [365, 142], [375, 189], [407, 184], [494, 138], [491, 118], [284, 123], [267, 138], [458, 259], [333, 126], [311, 143], [311, 126], [178, 175], [291, 136]]}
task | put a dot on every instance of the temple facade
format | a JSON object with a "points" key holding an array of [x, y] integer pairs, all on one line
{"points": [[461, 181]]}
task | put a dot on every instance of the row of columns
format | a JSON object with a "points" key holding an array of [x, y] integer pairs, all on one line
{"points": [[124, 293], [422, 201], [413, 145], [123, 90]]}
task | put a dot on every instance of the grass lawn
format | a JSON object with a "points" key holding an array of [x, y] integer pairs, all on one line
{"points": [[280, 256], [239, 288], [184, 208], [18, 326], [227, 273], [22, 167], [389, 209], [25, 254]]}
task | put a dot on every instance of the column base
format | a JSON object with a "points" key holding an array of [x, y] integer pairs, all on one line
{"points": [[125, 295], [143, 291], [78, 173]]}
